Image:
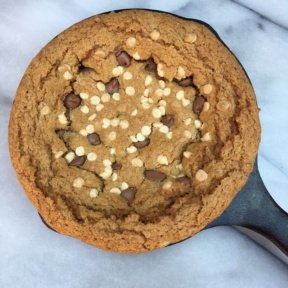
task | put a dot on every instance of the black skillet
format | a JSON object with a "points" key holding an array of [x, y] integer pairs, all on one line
{"points": [[253, 207]]}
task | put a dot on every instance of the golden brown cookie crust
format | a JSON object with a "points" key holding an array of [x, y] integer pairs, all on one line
{"points": [[214, 150]]}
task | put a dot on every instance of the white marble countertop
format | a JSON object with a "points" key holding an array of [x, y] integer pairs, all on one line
{"points": [[33, 256]]}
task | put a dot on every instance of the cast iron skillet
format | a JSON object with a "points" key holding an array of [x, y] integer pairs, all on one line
{"points": [[253, 207]]}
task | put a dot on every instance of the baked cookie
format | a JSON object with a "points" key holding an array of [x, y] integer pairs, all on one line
{"points": [[133, 130]]}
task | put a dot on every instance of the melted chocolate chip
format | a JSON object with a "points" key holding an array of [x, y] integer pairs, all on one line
{"points": [[185, 82], [155, 176], [112, 86], [71, 101], [184, 179], [151, 66], [142, 144], [78, 161], [123, 58], [60, 133], [129, 194], [198, 104], [116, 166], [94, 139], [168, 120]]}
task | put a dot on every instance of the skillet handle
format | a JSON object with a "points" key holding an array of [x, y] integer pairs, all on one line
{"points": [[254, 208]]}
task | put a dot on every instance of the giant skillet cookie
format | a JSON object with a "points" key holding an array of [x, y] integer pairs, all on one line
{"points": [[133, 130]]}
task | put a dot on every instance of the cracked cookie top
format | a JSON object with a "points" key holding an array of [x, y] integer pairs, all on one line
{"points": [[133, 130]]}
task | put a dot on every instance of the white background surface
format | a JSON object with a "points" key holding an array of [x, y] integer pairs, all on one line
{"points": [[33, 256]]}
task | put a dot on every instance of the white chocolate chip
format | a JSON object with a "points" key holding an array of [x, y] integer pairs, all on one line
{"points": [[105, 175], [91, 156], [80, 151], [115, 190], [206, 137], [180, 95], [140, 137], [201, 175], [167, 185], [99, 107], [105, 97], [100, 86], [107, 162], [163, 160], [187, 134], [180, 73], [146, 92], [161, 84], [206, 106], [84, 95], [179, 166], [207, 89], [112, 151], [160, 70], [157, 124], [136, 162], [130, 91], [67, 75], [63, 68], [114, 176], [162, 103], [197, 123], [187, 121], [106, 123], [90, 128], [94, 100], [222, 105], [83, 132], [45, 110], [130, 42], [112, 135], [58, 154], [92, 117], [62, 119], [133, 138], [84, 109], [187, 154], [134, 112], [69, 156], [146, 105], [159, 92], [186, 102], [115, 122], [99, 53], [148, 80], [167, 91], [154, 35], [190, 37], [169, 135], [78, 182], [116, 71], [156, 112], [143, 99], [136, 56], [93, 193], [127, 75], [164, 129], [124, 124], [131, 149], [146, 130], [162, 109], [116, 96], [108, 169], [124, 186]]}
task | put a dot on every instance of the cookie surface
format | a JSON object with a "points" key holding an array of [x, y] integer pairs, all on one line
{"points": [[133, 130]]}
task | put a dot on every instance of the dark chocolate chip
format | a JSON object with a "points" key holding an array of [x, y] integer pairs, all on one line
{"points": [[185, 82], [71, 101], [112, 86], [155, 176], [116, 166], [60, 133], [142, 144], [184, 179], [123, 58], [94, 139], [198, 104], [78, 161], [129, 194], [168, 120], [151, 66]]}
